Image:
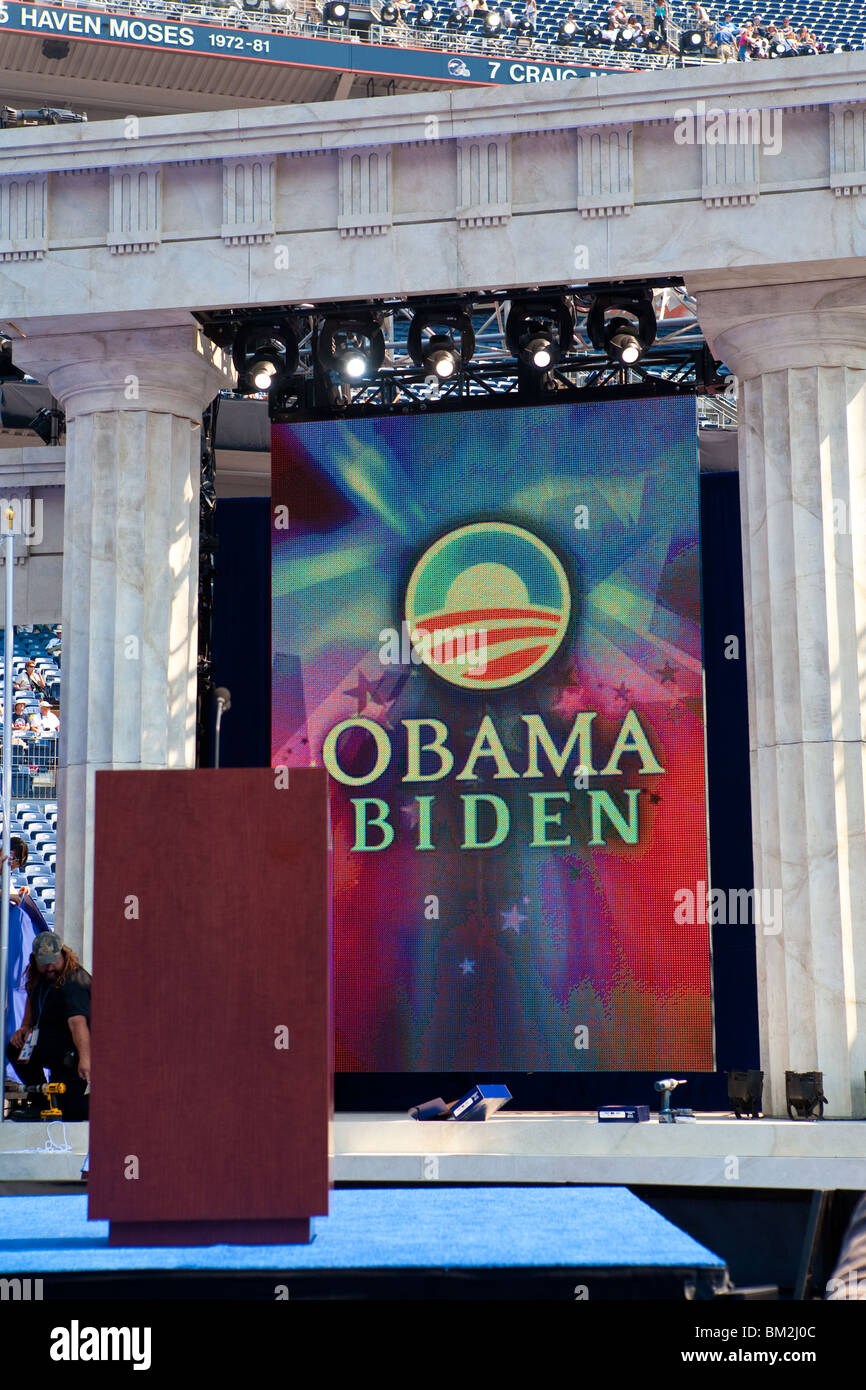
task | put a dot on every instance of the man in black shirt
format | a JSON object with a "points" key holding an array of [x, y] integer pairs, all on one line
{"points": [[56, 1028]]}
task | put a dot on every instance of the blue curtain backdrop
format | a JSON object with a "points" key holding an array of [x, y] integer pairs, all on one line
{"points": [[242, 661]]}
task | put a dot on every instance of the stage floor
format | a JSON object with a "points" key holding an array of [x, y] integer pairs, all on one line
{"points": [[598, 1235], [536, 1147]]}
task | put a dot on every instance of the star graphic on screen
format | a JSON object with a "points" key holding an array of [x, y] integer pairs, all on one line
{"points": [[571, 701], [574, 866], [467, 967], [666, 673], [362, 691], [511, 920], [376, 712], [622, 692]]}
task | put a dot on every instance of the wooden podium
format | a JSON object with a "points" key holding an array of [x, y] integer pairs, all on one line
{"points": [[212, 1078]]}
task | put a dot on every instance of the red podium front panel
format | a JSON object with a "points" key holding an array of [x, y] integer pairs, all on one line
{"points": [[212, 1079]]}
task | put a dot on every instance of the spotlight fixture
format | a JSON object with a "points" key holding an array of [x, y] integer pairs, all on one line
{"points": [[441, 355], [493, 22], [622, 324], [653, 41], [352, 346], [567, 32], [692, 41], [746, 1093], [424, 17], [626, 36], [263, 353], [539, 331], [592, 36], [389, 14], [804, 1094], [252, 4], [778, 49], [458, 19], [336, 12]]}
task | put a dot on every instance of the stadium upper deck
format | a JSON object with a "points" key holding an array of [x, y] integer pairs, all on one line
{"points": [[144, 57], [147, 57]]}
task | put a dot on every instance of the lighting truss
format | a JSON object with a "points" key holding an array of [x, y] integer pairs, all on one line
{"points": [[677, 363]]}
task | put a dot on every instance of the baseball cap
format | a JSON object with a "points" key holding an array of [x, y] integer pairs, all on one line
{"points": [[47, 948]]}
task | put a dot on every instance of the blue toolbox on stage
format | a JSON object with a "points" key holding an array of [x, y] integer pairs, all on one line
{"points": [[623, 1114]]}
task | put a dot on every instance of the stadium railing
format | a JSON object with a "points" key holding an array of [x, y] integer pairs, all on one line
{"points": [[398, 36]]}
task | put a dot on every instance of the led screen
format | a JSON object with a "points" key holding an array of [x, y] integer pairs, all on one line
{"points": [[487, 626]]}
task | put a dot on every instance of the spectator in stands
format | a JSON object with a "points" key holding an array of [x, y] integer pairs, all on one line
{"points": [[48, 719], [726, 40], [36, 678], [789, 33], [660, 19], [530, 15], [58, 1005], [18, 856], [746, 45], [806, 41], [53, 642], [701, 18], [616, 20], [20, 719]]}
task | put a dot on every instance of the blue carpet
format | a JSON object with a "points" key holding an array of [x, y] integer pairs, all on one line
{"points": [[384, 1228]]}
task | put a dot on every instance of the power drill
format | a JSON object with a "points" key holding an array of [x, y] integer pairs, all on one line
{"points": [[667, 1116], [48, 1088]]}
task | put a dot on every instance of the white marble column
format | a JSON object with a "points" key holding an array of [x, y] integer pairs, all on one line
{"points": [[133, 401], [800, 354]]}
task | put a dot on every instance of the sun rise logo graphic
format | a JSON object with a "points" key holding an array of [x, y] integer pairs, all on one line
{"points": [[502, 590]]}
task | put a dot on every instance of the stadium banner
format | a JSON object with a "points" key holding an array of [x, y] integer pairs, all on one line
{"points": [[487, 626], [386, 60]]}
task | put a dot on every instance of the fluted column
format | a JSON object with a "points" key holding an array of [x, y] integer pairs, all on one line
{"points": [[799, 352], [133, 402]]}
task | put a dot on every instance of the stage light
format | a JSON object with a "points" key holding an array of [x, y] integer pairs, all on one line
{"points": [[263, 368], [692, 41], [520, 29], [626, 37], [622, 324], [653, 41], [424, 16], [567, 32], [592, 35], [804, 1094], [441, 355], [493, 22], [538, 331], [746, 1093], [621, 341], [353, 347], [336, 12], [778, 50], [252, 4], [264, 353], [389, 14]]}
